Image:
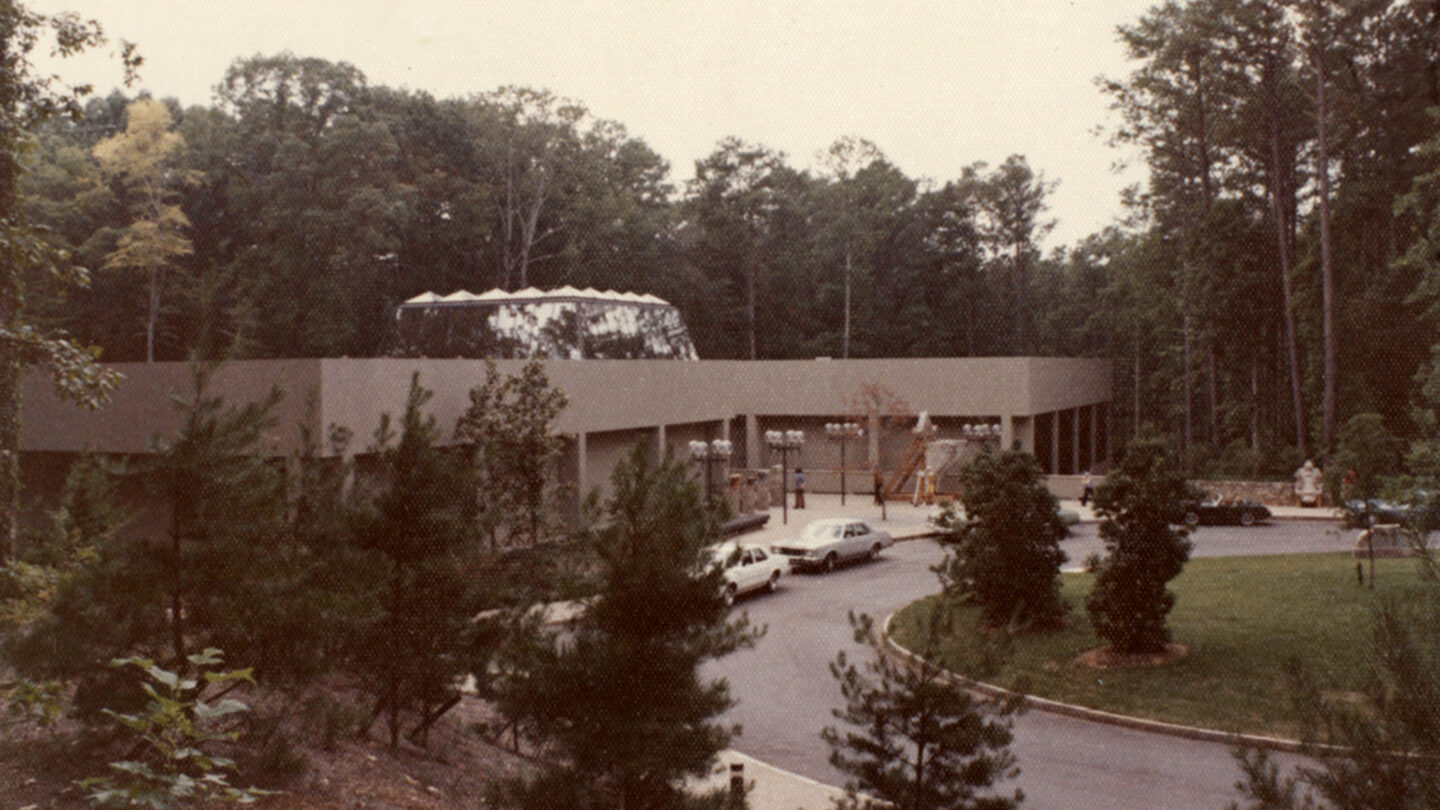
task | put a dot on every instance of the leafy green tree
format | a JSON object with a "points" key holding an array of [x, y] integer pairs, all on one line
{"points": [[1011, 200], [1366, 456], [657, 617], [508, 427], [27, 100], [917, 740], [415, 650], [1141, 507], [144, 159], [1004, 553], [174, 730], [736, 200]]}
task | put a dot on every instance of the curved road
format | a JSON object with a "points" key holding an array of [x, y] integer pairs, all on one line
{"points": [[786, 694]]}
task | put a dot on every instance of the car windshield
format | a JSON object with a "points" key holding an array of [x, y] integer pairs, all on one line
{"points": [[821, 531]]}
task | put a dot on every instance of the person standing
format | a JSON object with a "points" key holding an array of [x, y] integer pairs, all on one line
{"points": [[1087, 489], [879, 484], [799, 488]]}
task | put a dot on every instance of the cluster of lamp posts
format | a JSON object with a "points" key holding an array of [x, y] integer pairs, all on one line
{"points": [[718, 451]]}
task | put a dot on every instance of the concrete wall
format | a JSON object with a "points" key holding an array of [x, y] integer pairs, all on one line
{"points": [[613, 404]]}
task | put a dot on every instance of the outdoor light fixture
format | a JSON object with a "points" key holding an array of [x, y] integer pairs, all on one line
{"points": [[710, 454], [784, 441], [981, 433], [843, 432]]}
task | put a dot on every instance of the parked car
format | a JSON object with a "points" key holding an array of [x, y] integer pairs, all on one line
{"points": [[1423, 513], [827, 543], [747, 568], [1219, 512]]}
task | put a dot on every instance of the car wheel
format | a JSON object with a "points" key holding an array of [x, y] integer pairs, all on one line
{"points": [[829, 564], [1192, 519], [773, 582], [874, 551], [728, 596], [1247, 518]]}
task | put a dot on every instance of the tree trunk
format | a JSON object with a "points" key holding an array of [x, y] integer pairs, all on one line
{"points": [[1135, 415], [1188, 386], [845, 339], [1327, 269], [177, 573], [1021, 336], [154, 314], [750, 301], [11, 374], [1278, 211], [1212, 370]]}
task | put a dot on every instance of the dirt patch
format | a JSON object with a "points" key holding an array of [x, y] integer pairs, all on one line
{"points": [[38, 769], [1106, 658]]}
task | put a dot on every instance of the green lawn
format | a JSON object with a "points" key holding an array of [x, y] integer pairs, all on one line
{"points": [[1242, 618]]}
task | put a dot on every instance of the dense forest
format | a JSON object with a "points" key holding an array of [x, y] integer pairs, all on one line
{"points": [[1277, 273]]}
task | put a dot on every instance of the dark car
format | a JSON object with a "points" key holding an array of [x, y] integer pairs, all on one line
{"points": [[1423, 513], [1220, 512]]}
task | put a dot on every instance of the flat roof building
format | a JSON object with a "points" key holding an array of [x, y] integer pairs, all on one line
{"points": [[1057, 408]]}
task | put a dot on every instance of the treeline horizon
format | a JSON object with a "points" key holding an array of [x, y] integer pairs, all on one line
{"points": [[1250, 300]]}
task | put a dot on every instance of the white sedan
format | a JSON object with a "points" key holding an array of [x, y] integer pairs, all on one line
{"points": [[746, 568], [826, 543]]}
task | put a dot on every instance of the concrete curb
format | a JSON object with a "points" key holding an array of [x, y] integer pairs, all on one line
{"points": [[889, 646]]}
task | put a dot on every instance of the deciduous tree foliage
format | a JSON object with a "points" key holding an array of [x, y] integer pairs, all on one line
{"points": [[143, 160], [27, 100], [513, 453]]}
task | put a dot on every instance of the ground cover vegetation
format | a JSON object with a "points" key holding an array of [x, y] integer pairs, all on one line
{"points": [[1240, 620], [350, 594]]}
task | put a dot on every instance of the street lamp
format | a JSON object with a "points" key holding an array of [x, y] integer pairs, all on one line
{"points": [[709, 454], [981, 433], [784, 441], [843, 432]]}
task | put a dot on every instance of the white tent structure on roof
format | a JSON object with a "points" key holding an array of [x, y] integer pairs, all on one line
{"points": [[564, 323]]}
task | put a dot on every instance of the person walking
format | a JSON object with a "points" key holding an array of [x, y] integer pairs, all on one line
{"points": [[1087, 489], [879, 484], [799, 488]]}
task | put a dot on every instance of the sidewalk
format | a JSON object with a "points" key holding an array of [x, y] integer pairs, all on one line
{"points": [[770, 788], [901, 520]]}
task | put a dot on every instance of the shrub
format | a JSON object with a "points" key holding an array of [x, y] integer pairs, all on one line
{"points": [[1006, 556]]}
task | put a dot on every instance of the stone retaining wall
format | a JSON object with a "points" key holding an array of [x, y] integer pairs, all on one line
{"points": [[1270, 493]]}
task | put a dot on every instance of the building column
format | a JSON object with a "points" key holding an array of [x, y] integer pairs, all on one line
{"points": [[872, 440], [1095, 434], [1054, 443], [752, 441], [582, 473], [1007, 432], [1075, 441]]}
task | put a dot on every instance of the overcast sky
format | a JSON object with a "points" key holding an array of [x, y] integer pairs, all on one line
{"points": [[936, 84]]}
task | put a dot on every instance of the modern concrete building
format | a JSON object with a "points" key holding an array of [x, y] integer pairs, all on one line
{"points": [[1057, 408]]}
